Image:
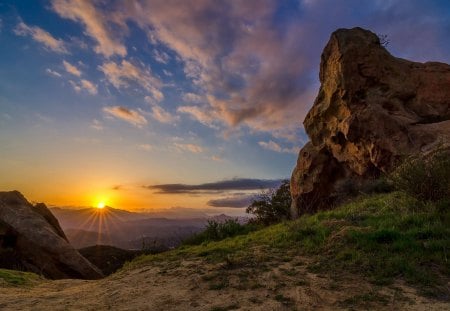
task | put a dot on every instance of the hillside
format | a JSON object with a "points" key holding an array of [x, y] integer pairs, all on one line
{"points": [[385, 251]]}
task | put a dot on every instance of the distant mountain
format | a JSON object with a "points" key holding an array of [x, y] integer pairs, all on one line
{"points": [[129, 230]]}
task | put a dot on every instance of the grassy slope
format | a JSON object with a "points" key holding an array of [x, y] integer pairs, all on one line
{"points": [[381, 237], [17, 278]]}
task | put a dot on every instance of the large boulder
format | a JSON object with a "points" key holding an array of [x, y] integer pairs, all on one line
{"points": [[33, 240], [372, 110]]}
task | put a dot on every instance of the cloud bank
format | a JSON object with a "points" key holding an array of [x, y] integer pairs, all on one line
{"points": [[219, 186]]}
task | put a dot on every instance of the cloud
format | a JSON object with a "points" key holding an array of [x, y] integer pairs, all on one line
{"points": [[217, 158], [128, 115], [94, 22], [89, 86], [75, 86], [254, 62], [121, 74], [251, 70], [160, 115], [271, 145], [193, 98], [167, 73], [161, 57], [97, 125], [199, 114], [189, 147], [41, 36], [145, 147], [71, 69], [219, 186], [84, 85], [237, 201], [53, 73], [117, 187]]}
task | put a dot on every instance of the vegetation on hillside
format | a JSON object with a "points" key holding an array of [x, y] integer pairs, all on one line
{"points": [[272, 206], [425, 177], [382, 237], [17, 278], [269, 207]]}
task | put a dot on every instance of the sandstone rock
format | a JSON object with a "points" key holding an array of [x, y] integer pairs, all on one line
{"points": [[372, 110], [32, 235]]}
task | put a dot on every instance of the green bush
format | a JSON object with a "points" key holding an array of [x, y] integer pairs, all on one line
{"points": [[216, 231], [426, 178], [272, 206]]}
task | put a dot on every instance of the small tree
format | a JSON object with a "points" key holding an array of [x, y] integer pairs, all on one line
{"points": [[272, 206]]}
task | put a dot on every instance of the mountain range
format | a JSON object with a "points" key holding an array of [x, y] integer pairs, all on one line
{"points": [[130, 230]]}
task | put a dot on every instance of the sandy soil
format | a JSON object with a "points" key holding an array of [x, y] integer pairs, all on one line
{"points": [[197, 285]]}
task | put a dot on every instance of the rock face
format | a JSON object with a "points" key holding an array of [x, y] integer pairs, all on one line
{"points": [[34, 241], [372, 109]]}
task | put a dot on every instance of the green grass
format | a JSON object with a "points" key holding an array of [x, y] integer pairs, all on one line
{"points": [[17, 278], [382, 237]]}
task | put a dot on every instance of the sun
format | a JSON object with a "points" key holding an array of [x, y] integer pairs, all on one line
{"points": [[100, 204]]}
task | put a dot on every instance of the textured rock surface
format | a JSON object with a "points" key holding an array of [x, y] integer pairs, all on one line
{"points": [[372, 109], [32, 235]]}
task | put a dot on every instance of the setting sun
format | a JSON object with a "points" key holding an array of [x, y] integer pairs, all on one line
{"points": [[100, 204]]}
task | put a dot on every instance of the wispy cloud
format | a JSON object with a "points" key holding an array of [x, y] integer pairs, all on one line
{"points": [[53, 73], [84, 85], [122, 74], [219, 186], [271, 145], [193, 98], [161, 115], [145, 147], [71, 69], [128, 115], [161, 57], [97, 125], [238, 201], [89, 86], [41, 36], [199, 114], [95, 23], [189, 147]]}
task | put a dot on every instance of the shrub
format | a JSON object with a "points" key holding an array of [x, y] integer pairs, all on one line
{"points": [[216, 231], [272, 206], [426, 178]]}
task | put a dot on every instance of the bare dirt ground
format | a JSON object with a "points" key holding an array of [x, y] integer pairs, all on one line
{"points": [[196, 285]]}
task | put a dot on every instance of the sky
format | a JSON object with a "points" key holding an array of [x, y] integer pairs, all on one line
{"points": [[159, 104]]}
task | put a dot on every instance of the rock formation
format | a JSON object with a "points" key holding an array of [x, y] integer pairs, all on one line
{"points": [[372, 109], [31, 235]]}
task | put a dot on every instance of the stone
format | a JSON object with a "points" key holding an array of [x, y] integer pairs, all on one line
{"points": [[32, 236], [372, 110]]}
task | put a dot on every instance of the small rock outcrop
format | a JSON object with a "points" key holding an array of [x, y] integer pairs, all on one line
{"points": [[372, 110], [33, 240]]}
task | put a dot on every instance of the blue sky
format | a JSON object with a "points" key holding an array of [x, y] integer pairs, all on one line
{"points": [[100, 99]]}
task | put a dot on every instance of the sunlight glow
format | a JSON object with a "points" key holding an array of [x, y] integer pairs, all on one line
{"points": [[100, 204]]}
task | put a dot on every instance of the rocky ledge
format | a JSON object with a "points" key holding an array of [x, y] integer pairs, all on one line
{"points": [[372, 110]]}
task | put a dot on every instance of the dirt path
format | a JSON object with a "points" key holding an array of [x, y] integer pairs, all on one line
{"points": [[197, 285]]}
